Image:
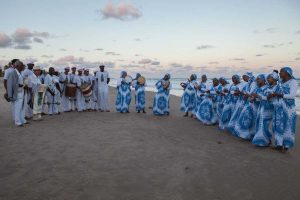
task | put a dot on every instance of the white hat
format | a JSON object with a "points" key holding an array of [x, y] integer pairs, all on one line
{"points": [[36, 68]]}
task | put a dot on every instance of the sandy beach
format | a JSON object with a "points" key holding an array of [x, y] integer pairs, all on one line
{"points": [[112, 156]]}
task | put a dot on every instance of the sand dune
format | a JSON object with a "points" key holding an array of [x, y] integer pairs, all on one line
{"points": [[105, 156]]}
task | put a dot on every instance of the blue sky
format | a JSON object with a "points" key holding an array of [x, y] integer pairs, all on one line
{"points": [[153, 37]]}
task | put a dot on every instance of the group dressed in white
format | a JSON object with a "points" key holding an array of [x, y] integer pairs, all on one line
{"points": [[260, 109]]}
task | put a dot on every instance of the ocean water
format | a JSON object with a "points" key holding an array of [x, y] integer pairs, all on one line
{"points": [[178, 91]]}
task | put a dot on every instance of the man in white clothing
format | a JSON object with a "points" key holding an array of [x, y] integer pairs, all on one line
{"points": [[102, 77], [28, 101], [15, 92], [64, 79]]}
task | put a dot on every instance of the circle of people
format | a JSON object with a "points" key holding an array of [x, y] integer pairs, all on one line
{"points": [[260, 109]]}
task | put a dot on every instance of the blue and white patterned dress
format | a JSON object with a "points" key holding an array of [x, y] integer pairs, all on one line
{"points": [[285, 117], [140, 100], [220, 100], [229, 105], [188, 99], [245, 126], [207, 113], [161, 104], [263, 134], [200, 95], [236, 108], [123, 96]]}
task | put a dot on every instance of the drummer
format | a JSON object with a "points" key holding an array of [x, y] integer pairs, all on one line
{"points": [[139, 84], [88, 79], [124, 94], [80, 101], [64, 79], [53, 92], [73, 79]]}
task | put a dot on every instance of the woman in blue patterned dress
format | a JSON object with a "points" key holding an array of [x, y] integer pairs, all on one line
{"points": [[124, 94], [161, 104], [230, 101], [221, 96], [245, 126], [240, 102], [201, 88], [140, 100], [285, 117], [188, 99], [207, 113], [263, 134]]}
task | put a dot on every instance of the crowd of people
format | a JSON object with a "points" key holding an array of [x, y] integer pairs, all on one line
{"points": [[33, 92], [260, 109]]}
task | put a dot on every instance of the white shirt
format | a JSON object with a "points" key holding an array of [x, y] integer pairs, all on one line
{"points": [[7, 72], [102, 77], [34, 82], [20, 89]]}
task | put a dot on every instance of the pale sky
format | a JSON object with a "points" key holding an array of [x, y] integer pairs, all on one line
{"points": [[215, 37]]}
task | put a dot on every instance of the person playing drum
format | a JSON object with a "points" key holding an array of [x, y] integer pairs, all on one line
{"points": [[64, 79], [139, 84]]}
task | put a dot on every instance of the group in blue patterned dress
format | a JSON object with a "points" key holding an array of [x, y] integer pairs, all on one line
{"points": [[207, 112], [188, 99], [263, 134], [161, 104], [285, 117], [140, 100], [123, 94]]}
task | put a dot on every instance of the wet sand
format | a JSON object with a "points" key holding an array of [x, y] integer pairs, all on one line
{"points": [[105, 156]]}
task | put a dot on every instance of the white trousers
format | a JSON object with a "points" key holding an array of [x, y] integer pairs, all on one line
{"points": [[19, 111], [103, 98], [66, 104]]}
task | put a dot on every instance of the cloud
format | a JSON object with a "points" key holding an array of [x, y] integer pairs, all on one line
{"points": [[239, 59], [38, 40], [22, 38], [213, 63], [112, 53], [99, 49], [62, 49], [205, 47], [84, 50], [137, 39], [46, 56], [272, 30], [259, 55], [5, 40], [297, 32], [297, 58], [155, 63], [23, 46], [145, 61], [122, 11], [269, 46]]}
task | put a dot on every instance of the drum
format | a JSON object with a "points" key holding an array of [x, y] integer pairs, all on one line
{"points": [[70, 90], [86, 90], [141, 80], [128, 79]]}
